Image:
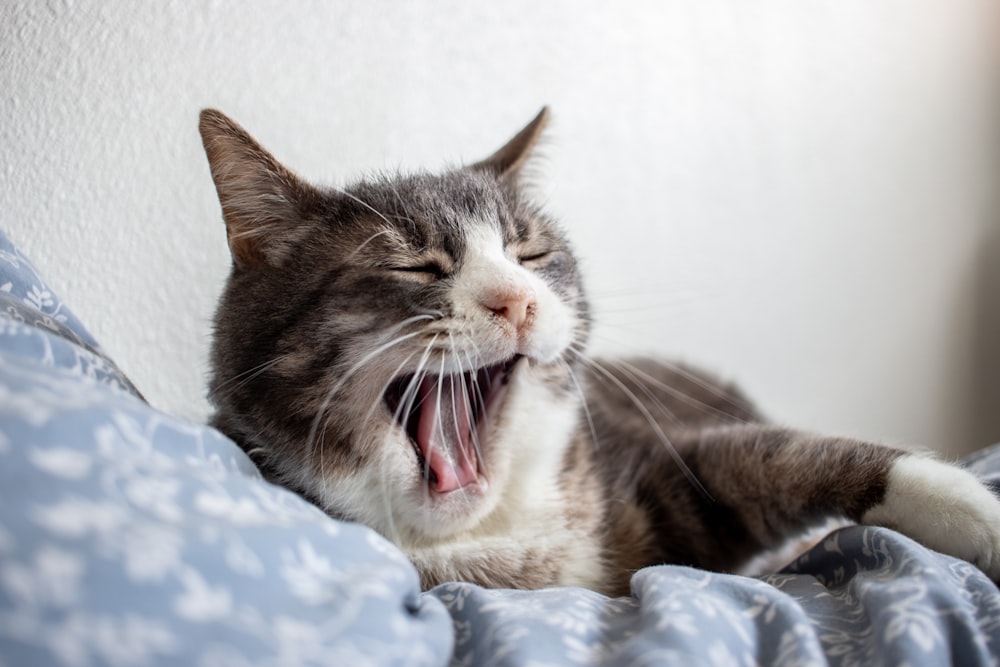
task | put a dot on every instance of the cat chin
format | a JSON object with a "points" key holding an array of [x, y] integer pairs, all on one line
{"points": [[441, 517]]}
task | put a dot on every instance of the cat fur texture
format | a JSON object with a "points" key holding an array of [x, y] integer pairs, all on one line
{"points": [[409, 352]]}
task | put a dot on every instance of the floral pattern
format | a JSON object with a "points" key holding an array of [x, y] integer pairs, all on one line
{"points": [[131, 537]]}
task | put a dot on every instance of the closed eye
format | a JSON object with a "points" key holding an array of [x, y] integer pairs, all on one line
{"points": [[536, 257], [430, 269]]}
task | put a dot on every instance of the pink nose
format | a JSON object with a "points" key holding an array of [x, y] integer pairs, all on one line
{"points": [[515, 307]]}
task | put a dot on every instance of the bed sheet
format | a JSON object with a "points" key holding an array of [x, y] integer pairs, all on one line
{"points": [[131, 537]]}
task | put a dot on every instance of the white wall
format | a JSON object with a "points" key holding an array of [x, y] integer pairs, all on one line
{"points": [[797, 193]]}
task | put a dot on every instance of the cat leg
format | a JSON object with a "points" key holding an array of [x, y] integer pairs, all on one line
{"points": [[764, 483], [945, 508]]}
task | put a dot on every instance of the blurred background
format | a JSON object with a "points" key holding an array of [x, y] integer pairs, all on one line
{"points": [[800, 195]]}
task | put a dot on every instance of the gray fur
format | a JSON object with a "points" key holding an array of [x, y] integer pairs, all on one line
{"points": [[336, 295]]}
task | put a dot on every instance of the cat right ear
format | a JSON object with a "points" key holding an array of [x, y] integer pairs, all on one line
{"points": [[262, 201], [507, 162]]}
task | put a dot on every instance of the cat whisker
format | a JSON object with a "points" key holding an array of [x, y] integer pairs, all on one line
{"points": [[627, 371], [409, 396], [385, 387], [456, 434], [470, 409], [368, 206], [438, 389], [259, 453], [475, 396], [653, 424], [429, 315], [654, 307], [405, 406], [368, 240], [322, 464], [256, 451], [405, 217], [680, 395], [225, 388], [255, 231], [413, 387], [713, 389], [583, 402], [576, 349], [346, 376], [649, 296]]}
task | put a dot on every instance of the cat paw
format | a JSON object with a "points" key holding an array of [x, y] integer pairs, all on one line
{"points": [[944, 508]]}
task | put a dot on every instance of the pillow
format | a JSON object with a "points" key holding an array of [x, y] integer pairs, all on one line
{"points": [[128, 536]]}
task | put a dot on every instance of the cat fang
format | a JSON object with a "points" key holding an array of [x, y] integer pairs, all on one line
{"points": [[449, 452]]}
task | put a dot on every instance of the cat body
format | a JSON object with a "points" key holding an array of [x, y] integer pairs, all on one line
{"points": [[409, 353]]}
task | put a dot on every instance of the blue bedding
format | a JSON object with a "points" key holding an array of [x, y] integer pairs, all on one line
{"points": [[131, 537]]}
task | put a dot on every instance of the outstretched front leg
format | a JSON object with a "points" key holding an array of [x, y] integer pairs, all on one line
{"points": [[762, 484], [943, 507]]}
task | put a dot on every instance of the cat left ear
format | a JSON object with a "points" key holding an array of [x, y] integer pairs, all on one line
{"points": [[262, 201], [507, 161]]}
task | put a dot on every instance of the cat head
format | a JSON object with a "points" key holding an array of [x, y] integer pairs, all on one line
{"points": [[400, 351]]}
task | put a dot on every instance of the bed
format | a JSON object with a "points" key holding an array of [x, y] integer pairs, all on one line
{"points": [[132, 537]]}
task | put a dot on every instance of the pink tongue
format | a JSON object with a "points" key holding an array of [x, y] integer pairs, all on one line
{"points": [[443, 433]]}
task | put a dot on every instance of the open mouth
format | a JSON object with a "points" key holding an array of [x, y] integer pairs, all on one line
{"points": [[445, 417]]}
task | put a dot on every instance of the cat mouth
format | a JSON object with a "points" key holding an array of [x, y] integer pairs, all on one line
{"points": [[445, 417]]}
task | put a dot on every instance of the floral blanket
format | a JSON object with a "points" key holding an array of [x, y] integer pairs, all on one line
{"points": [[131, 537]]}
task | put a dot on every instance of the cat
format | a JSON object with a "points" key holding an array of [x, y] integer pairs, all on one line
{"points": [[409, 353]]}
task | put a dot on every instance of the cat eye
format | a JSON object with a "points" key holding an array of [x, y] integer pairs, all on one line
{"points": [[431, 269], [536, 257]]}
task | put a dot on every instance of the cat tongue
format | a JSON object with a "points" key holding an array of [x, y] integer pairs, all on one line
{"points": [[444, 433]]}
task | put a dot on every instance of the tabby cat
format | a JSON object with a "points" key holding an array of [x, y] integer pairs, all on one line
{"points": [[409, 353]]}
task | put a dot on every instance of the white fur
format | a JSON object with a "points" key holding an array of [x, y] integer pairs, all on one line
{"points": [[943, 507], [527, 437], [536, 441], [487, 268], [526, 501]]}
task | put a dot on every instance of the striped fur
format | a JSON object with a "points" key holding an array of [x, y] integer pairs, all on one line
{"points": [[409, 353]]}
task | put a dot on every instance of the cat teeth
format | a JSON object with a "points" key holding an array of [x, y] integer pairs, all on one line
{"points": [[422, 464], [508, 369], [486, 388]]}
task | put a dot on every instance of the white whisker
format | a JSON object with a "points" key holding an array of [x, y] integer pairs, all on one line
{"points": [[347, 376], [667, 412], [633, 370], [583, 403], [247, 376], [405, 407], [477, 404], [371, 208], [367, 241], [653, 424]]}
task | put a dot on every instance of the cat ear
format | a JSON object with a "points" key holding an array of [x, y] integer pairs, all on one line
{"points": [[507, 161], [262, 201]]}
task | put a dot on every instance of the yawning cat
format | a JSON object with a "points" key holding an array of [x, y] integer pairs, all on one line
{"points": [[409, 353]]}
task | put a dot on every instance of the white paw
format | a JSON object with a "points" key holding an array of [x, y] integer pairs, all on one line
{"points": [[944, 508]]}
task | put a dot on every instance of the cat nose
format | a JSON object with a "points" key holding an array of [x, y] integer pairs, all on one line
{"points": [[515, 307]]}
